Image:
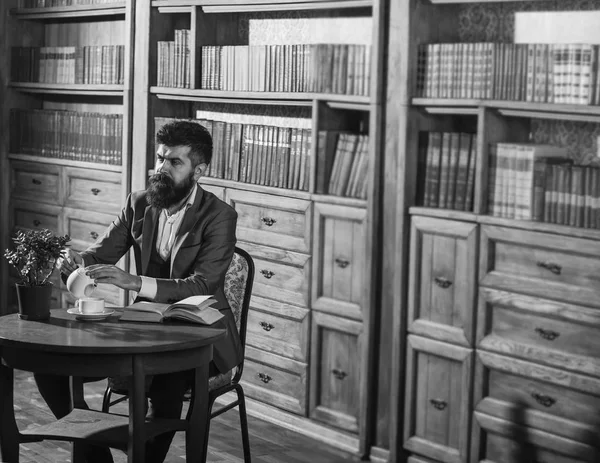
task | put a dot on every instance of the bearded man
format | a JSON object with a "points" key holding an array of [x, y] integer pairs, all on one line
{"points": [[183, 239]]}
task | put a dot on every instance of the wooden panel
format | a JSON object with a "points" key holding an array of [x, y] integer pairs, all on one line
{"points": [[98, 189], [438, 398], [272, 220], [565, 404], [34, 216], [284, 336], [555, 333], [282, 282], [442, 279], [335, 392], [339, 260], [218, 191], [37, 182], [85, 227], [540, 264], [275, 380]]}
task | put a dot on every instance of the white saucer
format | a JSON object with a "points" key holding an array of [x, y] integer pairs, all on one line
{"points": [[91, 316]]}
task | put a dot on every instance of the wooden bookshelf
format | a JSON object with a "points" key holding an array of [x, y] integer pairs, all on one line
{"points": [[74, 11], [69, 89], [66, 162], [221, 6]]}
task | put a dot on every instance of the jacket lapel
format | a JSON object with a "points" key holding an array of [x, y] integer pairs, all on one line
{"points": [[190, 219], [150, 220]]}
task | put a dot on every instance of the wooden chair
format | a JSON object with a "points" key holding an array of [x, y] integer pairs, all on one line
{"points": [[238, 289]]}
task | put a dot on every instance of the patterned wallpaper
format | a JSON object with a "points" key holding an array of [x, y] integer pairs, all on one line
{"points": [[495, 22]]}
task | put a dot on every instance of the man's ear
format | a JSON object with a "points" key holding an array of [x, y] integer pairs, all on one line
{"points": [[200, 170]]}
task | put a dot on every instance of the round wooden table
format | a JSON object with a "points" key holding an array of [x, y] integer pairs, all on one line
{"points": [[65, 346]]}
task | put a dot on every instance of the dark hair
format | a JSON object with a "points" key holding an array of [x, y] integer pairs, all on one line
{"points": [[188, 133]]}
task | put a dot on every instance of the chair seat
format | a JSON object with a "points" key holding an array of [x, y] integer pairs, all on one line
{"points": [[120, 384]]}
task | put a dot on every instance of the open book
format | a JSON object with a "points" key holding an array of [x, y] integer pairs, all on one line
{"points": [[195, 309]]}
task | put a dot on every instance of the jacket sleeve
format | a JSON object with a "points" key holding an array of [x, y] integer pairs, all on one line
{"points": [[115, 241], [214, 252]]}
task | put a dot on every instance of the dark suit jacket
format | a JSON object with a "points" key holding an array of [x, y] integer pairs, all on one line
{"points": [[199, 260]]}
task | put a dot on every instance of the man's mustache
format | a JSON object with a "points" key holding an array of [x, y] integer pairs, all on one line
{"points": [[161, 178]]}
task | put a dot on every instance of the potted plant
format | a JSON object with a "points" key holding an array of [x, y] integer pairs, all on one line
{"points": [[34, 256]]}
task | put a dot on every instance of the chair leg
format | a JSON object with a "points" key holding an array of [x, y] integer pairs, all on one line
{"points": [[106, 400], [243, 423]]}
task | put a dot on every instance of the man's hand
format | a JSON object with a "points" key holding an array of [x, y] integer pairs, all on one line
{"points": [[69, 261], [102, 273]]}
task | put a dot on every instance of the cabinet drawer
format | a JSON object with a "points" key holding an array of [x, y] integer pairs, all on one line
{"points": [[34, 216], [555, 401], [442, 279], [550, 332], [96, 188], [218, 191], [280, 335], [502, 441], [39, 182], [438, 393], [286, 283], [85, 227], [275, 380], [272, 220], [541, 264], [336, 371], [339, 261]]}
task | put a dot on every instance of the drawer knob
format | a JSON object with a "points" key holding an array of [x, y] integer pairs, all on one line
{"points": [[342, 263], [548, 335], [35, 181], [94, 235], [265, 378], [95, 191], [339, 374], [36, 223], [267, 274], [266, 326], [544, 400], [268, 221], [442, 282], [438, 404], [551, 266]]}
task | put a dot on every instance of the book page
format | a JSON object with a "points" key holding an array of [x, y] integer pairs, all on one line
{"points": [[145, 306]]}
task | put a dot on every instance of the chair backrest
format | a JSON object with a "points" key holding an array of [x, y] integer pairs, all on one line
{"points": [[238, 289]]}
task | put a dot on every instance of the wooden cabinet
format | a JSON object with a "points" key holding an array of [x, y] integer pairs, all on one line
{"points": [[39, 183], [438, 398], [442, 279]]}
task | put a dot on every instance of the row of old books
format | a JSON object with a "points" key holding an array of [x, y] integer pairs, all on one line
{"points": [[447, 169], [344, 157], [543, 73], [77, 136], [541, 183], [173, 61], [94, 64], [322, 68], [55, 3], [259, 154]]}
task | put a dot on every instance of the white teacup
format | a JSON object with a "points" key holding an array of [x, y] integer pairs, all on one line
{"points": [[90, 305], [80, 285]]}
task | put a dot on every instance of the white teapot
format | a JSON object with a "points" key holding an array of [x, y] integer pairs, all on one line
{"points": [[80, 285]]}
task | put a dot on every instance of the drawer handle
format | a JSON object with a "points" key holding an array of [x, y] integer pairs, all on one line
{"points": [[94, 235], [552, 267], [342, 263], [542, 399], [36, 223], [548, 335], [438, 404], [339, 374], [265, 378], [267, 274], [442, 282], [95, 191], [35, 181], [268, 221], [266, 326]]}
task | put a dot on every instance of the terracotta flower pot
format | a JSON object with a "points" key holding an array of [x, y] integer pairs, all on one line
{"points": [[34, 301]]}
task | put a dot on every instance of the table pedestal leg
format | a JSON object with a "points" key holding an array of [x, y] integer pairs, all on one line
{"points": [[9, 433], [196, 438], [137, 414]]}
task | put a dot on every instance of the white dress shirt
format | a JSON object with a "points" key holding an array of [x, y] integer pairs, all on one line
{"points": [[166, 234]]}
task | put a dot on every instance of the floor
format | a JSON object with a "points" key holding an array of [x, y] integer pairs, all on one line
{"points": [[269, 443]]}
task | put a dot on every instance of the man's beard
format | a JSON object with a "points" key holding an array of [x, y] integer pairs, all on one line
{"points": [[163, 193]]}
